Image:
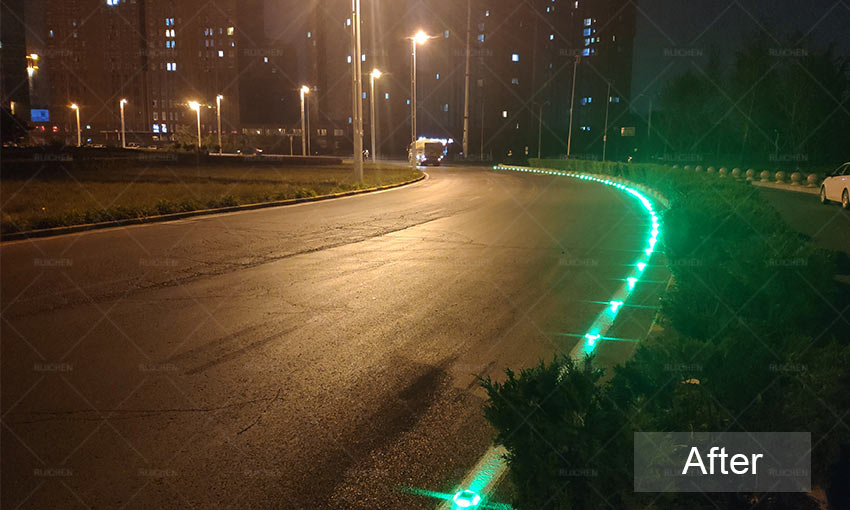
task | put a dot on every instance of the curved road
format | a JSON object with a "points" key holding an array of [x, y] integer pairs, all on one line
{"points": [[314, 356]]}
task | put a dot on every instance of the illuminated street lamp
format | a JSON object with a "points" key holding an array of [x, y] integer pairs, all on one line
{"points": [[417, 39], [196, 107], [123, 132], [304, 91], [218, 99], [76, 109], [374, 75]]}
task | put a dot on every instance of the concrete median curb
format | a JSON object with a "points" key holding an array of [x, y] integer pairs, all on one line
{"points": [[71, 229]]}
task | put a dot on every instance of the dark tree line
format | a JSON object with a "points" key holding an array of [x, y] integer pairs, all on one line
{"points": [[783, 102]]}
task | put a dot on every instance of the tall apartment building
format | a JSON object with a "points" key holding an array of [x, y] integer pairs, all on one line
{"points": [[522, 56], [14, 85], [159, 55]]}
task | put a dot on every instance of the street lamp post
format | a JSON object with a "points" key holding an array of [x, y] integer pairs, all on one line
{"points": [[572, 106], [218, 99], [374, 75], [357, 90], [304, 91], [194, 105], [123, 131], [605, 133], [76, 109], [466, 81], [420, 38], [540, 130]]}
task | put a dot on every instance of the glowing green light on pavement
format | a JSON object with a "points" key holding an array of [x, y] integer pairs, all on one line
{"points": [[632, 281], [615, 305], [641, 266], [466, 499], [591, 339]]}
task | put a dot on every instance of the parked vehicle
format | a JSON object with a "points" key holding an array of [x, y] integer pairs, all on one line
{"points": [[836, 187]]}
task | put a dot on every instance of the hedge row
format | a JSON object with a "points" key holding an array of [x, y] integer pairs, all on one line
{"points": [[753, 343]]}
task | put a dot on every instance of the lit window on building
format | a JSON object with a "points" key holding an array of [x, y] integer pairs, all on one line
{"points": [[487, 13], [551, 37], [515, 57], [364, 95], [266, 60], [438, 76], [309, 35], [585, 52], [220, 53], [386, 95], [349, 120], [481, 38], [613, 99], [446, 107], [504, 114], [585, 128], [230, 30], [446, 34], [112, 2], [587, 32], [164, 128], [363, 57], [408, 102], [348, 59], [587, 22], [348, 22], [514, 81], [586, 100], [155, 128]]}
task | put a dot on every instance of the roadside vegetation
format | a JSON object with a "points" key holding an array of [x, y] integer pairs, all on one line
{"points": [[56, 193], [754, 340]]}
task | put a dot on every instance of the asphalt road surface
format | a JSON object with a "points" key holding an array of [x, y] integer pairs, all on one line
{"points": [[315, 356]]}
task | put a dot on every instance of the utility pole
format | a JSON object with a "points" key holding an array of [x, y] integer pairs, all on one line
{"points": [[466, 81], [123, 130], [356, 74], [374, 75], [482, 127], [605, 133], [540, 131], [218, 99], [572, 106], [304, 90]]}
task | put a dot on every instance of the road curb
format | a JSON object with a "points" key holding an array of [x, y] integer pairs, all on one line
{"points": [[787, 187], [71, 229]]}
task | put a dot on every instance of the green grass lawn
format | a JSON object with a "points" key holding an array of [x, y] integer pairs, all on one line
{"points": [[49, 198]]}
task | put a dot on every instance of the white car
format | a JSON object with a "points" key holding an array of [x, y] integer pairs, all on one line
{"points": [[836, 187]]}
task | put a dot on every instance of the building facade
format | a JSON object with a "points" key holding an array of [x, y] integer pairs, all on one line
{"points": [[522, 59], [159, 55]]}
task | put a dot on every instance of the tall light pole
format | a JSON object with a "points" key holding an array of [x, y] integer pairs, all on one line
{"points": [[374, 75], [540, 130], [196, 107], [357, 90], [420, 38], [466, 81], [572, 106], [123, 131], [605, 133], [76, 109], [304, 91], [218, 99]]}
